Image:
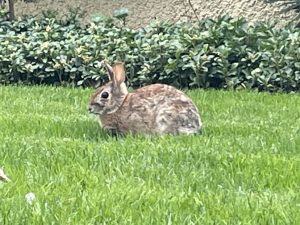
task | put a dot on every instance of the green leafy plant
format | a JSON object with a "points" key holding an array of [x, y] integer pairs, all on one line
{"points": [[222, 53], [121, 14]]}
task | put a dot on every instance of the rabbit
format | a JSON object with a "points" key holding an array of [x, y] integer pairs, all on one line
{"points": [[156, 109]]}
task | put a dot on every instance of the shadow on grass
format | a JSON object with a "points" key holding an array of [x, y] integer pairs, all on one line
{"points": [[80, 129], [86, 131], [92, 131]]}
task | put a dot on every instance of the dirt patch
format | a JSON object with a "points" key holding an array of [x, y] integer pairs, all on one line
{"points": [[144, 11]]}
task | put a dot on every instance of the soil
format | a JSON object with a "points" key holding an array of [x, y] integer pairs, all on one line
{"points": [[143, 11]]}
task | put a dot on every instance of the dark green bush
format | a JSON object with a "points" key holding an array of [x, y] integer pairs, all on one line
{"points": [[222, 53]]}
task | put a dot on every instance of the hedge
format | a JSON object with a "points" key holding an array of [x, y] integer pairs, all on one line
{"points": [[222, 53]]}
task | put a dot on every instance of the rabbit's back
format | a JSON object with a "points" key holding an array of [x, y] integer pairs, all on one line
{"points": [[155, 109]]}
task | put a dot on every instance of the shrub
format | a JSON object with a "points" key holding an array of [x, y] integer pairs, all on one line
{"points": [[222, 53]]}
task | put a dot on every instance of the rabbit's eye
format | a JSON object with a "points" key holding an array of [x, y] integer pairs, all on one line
{"points": [[104, 94]]}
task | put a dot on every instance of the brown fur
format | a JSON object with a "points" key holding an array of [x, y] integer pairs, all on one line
{"points": [[153, 109]]}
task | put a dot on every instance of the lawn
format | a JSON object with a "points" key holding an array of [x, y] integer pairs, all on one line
{"points": [[244, 168]]}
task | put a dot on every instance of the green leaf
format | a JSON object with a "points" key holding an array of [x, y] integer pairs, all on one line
{"points": [[80, 82], [297, 65], [121, 13]]}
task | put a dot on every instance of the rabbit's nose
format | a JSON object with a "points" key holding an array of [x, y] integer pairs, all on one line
{"points": [[90, 108]]}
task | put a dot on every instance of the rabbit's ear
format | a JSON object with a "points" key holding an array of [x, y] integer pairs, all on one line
{"points": [[109, 70], [118, 73]]}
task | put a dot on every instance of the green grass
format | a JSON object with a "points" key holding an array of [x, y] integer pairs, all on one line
{"points": [[244, 169]]}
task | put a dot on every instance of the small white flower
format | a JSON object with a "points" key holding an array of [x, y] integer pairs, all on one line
{"points": [[3, 177], [30, 197]]}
